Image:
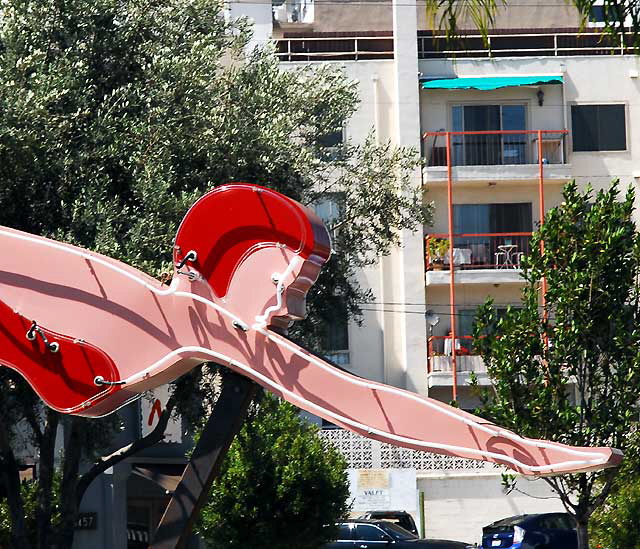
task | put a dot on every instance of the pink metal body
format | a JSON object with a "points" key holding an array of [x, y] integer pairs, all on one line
{"points": [[257, 253]]}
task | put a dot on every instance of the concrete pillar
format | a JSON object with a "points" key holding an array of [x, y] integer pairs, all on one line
{"points": [[406, 359], [258, 13]]}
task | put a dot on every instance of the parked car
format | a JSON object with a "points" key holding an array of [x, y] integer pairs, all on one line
{"points": [[401, 518], [372, 534], [542, 531]]}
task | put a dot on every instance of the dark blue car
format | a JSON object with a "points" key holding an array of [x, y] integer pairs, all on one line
{"points": [[543, 531]]}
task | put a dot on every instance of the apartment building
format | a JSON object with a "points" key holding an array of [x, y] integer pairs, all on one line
{"points": [[502, 125]]}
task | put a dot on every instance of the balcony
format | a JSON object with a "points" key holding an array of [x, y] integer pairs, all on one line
{"points": [[293, 14], [440, 362], [478, 156], [484, 258]]}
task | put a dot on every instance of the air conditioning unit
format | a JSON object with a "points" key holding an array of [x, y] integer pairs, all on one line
{"points": [[293, 12]]}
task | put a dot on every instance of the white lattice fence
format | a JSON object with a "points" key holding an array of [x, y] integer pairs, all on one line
{"points": [[365, 453]]}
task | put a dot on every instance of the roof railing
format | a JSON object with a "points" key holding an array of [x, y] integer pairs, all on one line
{"points": [[569, 42]]}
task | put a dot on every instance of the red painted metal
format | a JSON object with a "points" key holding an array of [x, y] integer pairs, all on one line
{"points": [[240, 227], [452, 282], [495, 132], [62, 374], [520, 237], [431, 352], [121, 326], [541, 213]]}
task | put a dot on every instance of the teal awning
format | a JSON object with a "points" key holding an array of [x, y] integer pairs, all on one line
{"points": [[486, 83]]}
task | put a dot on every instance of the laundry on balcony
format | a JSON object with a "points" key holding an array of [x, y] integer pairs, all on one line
{"points": [[461, 256]]}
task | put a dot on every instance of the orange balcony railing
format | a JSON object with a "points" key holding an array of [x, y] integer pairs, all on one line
{"points": [[440, 360], [494, 148], [478, 250]]}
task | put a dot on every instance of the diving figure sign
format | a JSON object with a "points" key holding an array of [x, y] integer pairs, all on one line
{"points": [[90, 334]]}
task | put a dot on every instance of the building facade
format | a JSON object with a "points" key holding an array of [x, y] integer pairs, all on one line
{"points": [[501, 126]]}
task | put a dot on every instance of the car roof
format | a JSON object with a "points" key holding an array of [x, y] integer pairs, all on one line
{"points": [[516, 519], [366, 521]]}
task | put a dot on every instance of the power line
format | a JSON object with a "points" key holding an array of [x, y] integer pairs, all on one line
{"points": [[438, 313]]}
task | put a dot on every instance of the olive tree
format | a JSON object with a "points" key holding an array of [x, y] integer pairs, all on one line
{"points": [[115, 116]]}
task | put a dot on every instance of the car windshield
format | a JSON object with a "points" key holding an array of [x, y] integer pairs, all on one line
{"points": [[396, 532]]}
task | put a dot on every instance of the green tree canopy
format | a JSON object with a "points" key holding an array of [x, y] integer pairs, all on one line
{"points": [[115, 115], [615, 524], [281, 486], [567, 368]]}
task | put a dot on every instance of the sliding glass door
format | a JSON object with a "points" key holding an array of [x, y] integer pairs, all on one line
{"points": [[487, 220], [489, 149]]}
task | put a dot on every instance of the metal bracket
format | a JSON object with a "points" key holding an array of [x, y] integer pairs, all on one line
{"points": [[191, 255], [53, 346], [99, 380], [191, 493]]}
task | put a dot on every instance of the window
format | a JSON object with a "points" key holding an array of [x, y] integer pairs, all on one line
{"points": [[335, 339], [344, 532], [487, 220], [332, 139], [599, 13], [335, 334], [493, 149], [514, 217], [368, 532], [330, 208], [598, 128], [331, 144]]}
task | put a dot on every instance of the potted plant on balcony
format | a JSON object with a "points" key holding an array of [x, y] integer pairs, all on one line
{"points": [[438, 248]]}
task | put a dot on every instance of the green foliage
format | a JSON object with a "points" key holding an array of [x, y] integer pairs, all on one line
{"points": [[29, 493], [280, 486], [568, 371], [620, 19], [438, 247], [615, 525], [115, 115]]}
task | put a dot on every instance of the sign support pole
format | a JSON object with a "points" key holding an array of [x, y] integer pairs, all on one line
{"points": [[191, 493]]}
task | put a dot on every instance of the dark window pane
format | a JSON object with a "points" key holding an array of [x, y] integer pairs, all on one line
{"points": [[611, 128], [344, 532], [368, 532], [513, 117], [511, 218], [598, 127], [456, 114], [471, 218], [337, 335], [596, 14], [332, 139], [481, 117], [584, 123]]}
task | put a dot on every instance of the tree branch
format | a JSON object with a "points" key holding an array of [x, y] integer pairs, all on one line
{"points": [[11, 476], [46, 467], [32, 420], [116, 457], [69, 502]]}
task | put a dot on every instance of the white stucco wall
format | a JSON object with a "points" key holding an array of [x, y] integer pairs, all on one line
{"points": [[457, 507], [587, 80]]}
